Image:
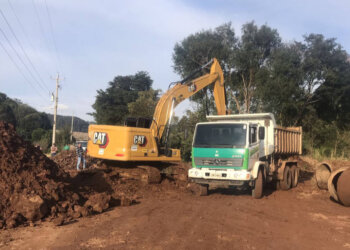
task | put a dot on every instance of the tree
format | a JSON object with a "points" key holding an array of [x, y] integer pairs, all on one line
{"points": [[111, 105], [37, 134], [182, 131], [281, 89], [249, 58], [31, 122], [198, 49], [145, 104], [243, 60], [303, 83], [63, 137], [7, 114]]}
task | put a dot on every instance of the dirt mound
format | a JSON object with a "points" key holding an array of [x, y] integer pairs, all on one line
{"points": [[29, 181], [33, 187], [68, 160]]}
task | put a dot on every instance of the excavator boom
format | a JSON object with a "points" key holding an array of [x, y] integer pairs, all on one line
{"points": [[143, 143], [186, 89]]}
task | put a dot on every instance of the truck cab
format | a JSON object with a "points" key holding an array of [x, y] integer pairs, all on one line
{"points": [[224, 151], [232, 150]]}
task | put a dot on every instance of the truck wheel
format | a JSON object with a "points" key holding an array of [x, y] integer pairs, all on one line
{"points": [[257, 190], [277, 185], [295, 176], [286, 183], [200, 190]]}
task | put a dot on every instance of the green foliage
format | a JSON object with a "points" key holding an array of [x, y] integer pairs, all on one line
{"points": [[63, 138], [248, 65], [182, 132], [45, 141], [145, 104], [281, 92], [111, 105], [37, 134], [62, 121], [25, 118], [303, 83], [31, 122], [35, 126], [7, 114], [197, 49]]}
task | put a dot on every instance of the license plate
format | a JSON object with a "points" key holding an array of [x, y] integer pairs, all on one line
{"points": [[215, 174]]}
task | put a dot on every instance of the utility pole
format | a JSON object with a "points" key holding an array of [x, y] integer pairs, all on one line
{"points": [[71, 129], [55, 110]]}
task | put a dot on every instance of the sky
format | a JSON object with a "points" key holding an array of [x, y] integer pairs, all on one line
{"points": [[89, 42]]}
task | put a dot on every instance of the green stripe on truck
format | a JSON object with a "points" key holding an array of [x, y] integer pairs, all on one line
{"points": [[233, 153]]}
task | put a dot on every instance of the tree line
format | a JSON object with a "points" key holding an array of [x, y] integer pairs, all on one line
{"points": [[303, 83], [36, 126]]}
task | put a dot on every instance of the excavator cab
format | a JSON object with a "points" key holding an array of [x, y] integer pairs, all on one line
{"points": [[138, 122]]}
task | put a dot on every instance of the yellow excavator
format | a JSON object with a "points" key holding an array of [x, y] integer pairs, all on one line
{"points": [[146, 140]]}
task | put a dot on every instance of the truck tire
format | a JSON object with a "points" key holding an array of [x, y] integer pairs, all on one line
{"points": [[257, 190], [200, 190], [295, 175], [286, 183]]}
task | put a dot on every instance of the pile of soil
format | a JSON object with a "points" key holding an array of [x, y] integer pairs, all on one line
{"points": [[30, 183], [33, 187], [68, 160]]}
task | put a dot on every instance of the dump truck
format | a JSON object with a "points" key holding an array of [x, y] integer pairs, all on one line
{"points": [[245, 151], [144, 141]]}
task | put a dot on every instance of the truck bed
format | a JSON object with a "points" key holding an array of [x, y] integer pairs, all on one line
{"points": [[288, 141]]}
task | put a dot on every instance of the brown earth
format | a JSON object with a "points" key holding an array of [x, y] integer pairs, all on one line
{"points": [[33, 187], [68, 160], [167, 217], [35, 191]]}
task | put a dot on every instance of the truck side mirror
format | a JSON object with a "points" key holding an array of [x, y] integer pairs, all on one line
{"points": [[261, 133]]}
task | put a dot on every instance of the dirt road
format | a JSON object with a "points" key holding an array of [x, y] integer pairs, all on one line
{"points": [[169, 218]]}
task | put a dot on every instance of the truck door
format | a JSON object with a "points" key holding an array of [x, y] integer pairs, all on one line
{"points": [[253, 145], [261, 138]]}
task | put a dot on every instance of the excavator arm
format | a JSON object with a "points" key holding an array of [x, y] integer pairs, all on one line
{"points": [[185, 89]]}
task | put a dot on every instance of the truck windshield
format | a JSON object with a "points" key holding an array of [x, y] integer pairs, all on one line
{"points": [[220, 136]]}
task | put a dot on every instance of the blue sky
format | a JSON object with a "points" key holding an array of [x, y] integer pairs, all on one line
{"points": [[92, 41]]}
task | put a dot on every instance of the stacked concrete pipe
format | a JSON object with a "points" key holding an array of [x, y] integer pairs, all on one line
{"points": [[337, 181]]}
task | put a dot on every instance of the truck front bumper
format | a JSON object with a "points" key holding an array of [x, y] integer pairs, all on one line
{"points": [[229, 177]]}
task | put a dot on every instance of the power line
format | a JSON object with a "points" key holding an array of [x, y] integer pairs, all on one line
{"points": [[41, 27], [25, 33], [53, 36], [19, 57], [19, 69], [25, 54]]}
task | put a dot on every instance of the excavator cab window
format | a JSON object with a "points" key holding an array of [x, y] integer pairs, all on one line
{"points": [[139, 122]]}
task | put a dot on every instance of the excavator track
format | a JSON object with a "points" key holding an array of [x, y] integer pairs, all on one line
{"points": [[147, 174], [151, 175]]}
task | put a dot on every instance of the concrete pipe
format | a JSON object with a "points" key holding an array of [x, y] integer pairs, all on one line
{"points": [[343, 188], [323, 172], [333, 182]]}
